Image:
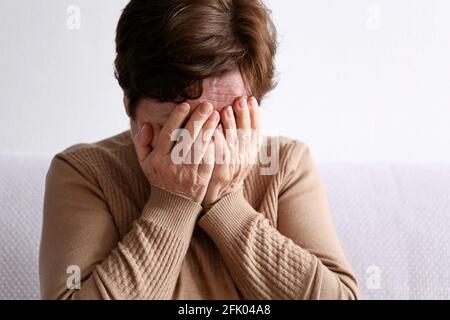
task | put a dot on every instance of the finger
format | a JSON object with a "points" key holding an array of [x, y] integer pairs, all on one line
{"points": [[228, 118], [242, 114], [221, 151], [229, 125], [254, 113], [143, 141], [156, 133], [201, 143], [206, 168], [175, 121], [255, 146], [197, 121]]}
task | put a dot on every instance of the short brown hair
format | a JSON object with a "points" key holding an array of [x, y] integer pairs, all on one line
{"points": [[165, 48]]}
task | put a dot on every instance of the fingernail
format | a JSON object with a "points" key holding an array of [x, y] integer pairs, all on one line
{"points": [[206, 108], [243, 103], [230, 112], [215, 116], [184, 107], [253, 102]]}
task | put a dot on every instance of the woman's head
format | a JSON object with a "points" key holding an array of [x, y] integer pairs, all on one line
{"points": [[180, 50]]}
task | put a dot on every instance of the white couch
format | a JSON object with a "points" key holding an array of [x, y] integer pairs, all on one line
{"points": [[393, 221]]}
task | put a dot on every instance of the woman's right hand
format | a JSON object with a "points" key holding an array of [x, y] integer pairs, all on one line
{"points": [[190, 179]]}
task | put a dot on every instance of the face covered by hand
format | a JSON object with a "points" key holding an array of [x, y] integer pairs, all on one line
{"points": [[224, 122]]}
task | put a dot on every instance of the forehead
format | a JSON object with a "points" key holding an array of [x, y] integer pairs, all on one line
{"points": [[222, 90]]}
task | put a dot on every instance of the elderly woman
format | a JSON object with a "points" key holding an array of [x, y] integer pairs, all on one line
{"points": [[179, 207]]}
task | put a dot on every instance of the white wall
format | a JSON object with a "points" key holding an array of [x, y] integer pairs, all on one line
{"points": [[358, 80], [57, 84]]}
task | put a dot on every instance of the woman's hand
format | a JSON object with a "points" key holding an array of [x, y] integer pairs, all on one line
{"points": [[155, 152], [236, 145]]}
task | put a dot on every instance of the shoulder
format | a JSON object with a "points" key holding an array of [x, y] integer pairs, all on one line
{"points": [[282, 159], [89, 159], [297, 165], [111, 145], [292, 147], [290, 152]]}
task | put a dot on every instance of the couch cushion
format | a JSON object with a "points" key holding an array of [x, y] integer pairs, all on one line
{"points": [[22, 179], [393, 221]]}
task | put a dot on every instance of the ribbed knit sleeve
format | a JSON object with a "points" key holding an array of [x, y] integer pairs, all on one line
{"points": [[78, 230], [298, 258]]}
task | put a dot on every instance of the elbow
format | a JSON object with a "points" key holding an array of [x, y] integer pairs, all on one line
{"points": [[350, 292], [334, 285], [348, 287]]}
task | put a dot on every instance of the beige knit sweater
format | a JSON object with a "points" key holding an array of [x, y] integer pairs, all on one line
{"points": [[272, 240]]}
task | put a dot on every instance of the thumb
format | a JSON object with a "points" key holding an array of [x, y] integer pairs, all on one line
{"points": [[143, 141]]}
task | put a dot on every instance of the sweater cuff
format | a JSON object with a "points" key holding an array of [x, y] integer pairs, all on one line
{"points": [[227, 220], [172, 213]]}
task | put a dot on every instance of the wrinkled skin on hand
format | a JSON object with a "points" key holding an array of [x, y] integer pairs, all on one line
{"points": [[154, 150], [228, 150], [224, 141], [236, 147]]}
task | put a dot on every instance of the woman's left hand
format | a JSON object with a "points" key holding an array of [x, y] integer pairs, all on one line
{"points": [[237, 144]]}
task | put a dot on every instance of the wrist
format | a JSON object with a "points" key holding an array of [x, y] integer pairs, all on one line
{"points": [[229, 217], [210, 202], [186, 196], [171, 212]]}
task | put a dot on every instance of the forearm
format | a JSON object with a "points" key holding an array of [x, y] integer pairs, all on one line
{"points": [[264, 263], [147, 262]]}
